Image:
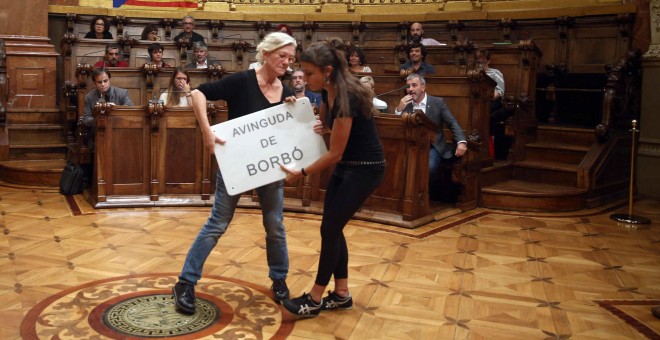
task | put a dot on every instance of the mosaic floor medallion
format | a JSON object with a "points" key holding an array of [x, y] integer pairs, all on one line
{"points": [[142, 306]]}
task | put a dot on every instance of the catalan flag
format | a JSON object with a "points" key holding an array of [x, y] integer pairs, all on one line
{"points": [[163, 4]]}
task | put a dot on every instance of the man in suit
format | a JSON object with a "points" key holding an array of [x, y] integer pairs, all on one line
{"points": [[437, 111], [102, 91], [201, 53]]}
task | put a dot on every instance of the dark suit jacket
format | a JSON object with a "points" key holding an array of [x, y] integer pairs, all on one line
{"points": [[438, 112], [196, 37], [115, 95]]}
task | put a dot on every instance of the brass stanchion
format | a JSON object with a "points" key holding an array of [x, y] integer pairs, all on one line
{"points": [[629, 218]]}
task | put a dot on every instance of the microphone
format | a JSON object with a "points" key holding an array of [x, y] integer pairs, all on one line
{"points": [[399, 89]]}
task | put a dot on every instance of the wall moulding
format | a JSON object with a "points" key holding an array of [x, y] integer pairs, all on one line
{"points": [[365, 10]]}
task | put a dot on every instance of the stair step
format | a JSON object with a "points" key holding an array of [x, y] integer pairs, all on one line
{"points": [[532, 196], [32, 172], [546, 172], [565, 135], [33, 116], [555, 152]]}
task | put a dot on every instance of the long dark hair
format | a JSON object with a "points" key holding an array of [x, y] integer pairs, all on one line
{"points": [[174, 95], [331, 53], [148, 29]]}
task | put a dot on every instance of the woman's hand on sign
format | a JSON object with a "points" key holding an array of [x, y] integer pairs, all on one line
{"points": [[319, 128], [290, 99], [292, 176], [211, 139]]}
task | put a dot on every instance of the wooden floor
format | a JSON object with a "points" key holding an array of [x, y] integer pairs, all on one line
{"points": [[481, 274]]}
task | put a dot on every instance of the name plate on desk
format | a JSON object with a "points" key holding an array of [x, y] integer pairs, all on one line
{"points": [[259, 142]]}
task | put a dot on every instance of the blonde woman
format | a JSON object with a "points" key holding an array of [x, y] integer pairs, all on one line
{"points": [[178, 90]]}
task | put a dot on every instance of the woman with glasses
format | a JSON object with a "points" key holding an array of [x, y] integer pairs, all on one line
{"points": [[99, 29], [244, 92], [150, 33]]}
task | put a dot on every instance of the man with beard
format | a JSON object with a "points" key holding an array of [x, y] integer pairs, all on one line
{"points": [[299, 90], [111, 58], [417, 35], [437, 111], [417, 63]]}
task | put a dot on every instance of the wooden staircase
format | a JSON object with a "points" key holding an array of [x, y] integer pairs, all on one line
{"points": [[36, 149], [32, 143], [547, 179]]}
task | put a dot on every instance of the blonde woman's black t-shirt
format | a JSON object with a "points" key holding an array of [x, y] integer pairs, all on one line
{"points": [[241, 92]]}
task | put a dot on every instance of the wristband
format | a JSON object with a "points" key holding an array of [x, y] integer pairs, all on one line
{"points": [[302, 171]]}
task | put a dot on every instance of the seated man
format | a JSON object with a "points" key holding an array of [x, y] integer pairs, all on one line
{"points": [[201, 53], [369, 83], [298, 84], [111, 58], [438, 112], [416, 64], [417, 35], [188, 26], [102, 91], [497, 114]]}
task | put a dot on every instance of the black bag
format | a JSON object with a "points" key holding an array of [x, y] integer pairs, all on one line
{"points": [[71, 182]]}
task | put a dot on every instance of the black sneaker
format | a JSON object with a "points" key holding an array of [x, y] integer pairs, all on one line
{"points": [[303, 306], [184, 297], [334, 301], [280, 290]]}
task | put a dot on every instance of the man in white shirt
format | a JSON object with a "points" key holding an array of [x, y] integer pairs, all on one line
{"points": [[417, 34], [437, 111], [201, 52]]}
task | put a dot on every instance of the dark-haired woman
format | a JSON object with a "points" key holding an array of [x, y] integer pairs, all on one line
{"points": [[357, 60], [355, 149], [99, 29]]}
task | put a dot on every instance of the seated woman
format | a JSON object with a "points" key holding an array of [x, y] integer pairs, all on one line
{"points": [[178, 91], [357, 60], [99, 29], [155, 51], [150, 33]]}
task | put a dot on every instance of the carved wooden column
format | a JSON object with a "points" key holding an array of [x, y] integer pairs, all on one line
{"points": [[215, 71], [4, 86], [564, 24], [215, 26], [463, 49], [126, 42], [70, 109], [149, 71], [167, 24], [240, 47], [454, 26], [356, 28], [309, 27], [155, 110], [100, 114], [83, 71], [403, 27], [262, 26], [119, 21], [183, 45], [507, 24]]}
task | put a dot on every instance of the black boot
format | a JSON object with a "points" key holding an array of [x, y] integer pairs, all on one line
{"points": [[184, 297], [280, 290]]}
